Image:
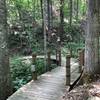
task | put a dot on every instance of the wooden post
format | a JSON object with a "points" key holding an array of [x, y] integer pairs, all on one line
{"points": [[33, 67], [56, 55], [81, 60], [59, 57], [82, 57], [81, 64], [68, 69], [49, 60], [34, 58]]}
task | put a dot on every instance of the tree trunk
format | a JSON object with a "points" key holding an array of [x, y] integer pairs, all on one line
{"points": [[51, 15], [49, 18], [5, 88], [71, 10], [92, 34], [61, 29], [61, 17], [41, 1], [77, 12], [48, 11], [45, 21], [51, 11]]}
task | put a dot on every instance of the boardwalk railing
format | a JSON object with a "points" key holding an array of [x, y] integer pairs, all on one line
{"points": [[68, 69], [79, 60], [48, 63]]}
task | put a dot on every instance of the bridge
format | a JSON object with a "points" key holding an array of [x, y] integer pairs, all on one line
{"points": [[49, 86]]}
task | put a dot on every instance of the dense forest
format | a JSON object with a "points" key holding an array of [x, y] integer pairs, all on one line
{"points": [[31, 28]]}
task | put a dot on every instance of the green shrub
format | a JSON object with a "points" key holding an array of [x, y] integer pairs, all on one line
{"points": [[40, 66], [74, 47], [20, 73]]}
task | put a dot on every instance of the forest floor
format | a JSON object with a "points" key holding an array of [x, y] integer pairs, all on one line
{"points": [[84, 92]]}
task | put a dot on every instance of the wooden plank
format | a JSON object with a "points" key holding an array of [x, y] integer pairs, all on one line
{"points": [[49, 86]]}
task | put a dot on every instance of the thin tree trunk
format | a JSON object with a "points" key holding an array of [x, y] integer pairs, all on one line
{"points": [[61, 29], [61, 17], [49, 19], [77, 10], [34, 9], [48, 11], [41, 1], [45, 20], [51, 13], [5, 86], [71, 10]]}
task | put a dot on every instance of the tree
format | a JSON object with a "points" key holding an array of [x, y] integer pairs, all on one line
{"points": [[48, 11], [77, 10], [92, 38], [5, 88], [61, 16], [71, 11], [45, 21], [61, 29]]}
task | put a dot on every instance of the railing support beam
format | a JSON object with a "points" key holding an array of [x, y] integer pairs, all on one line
{"points": [[68, 58], [49, 60], [33, 67], [81, 60]]}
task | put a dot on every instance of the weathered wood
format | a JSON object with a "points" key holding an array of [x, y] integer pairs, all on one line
{"points": [[68, 69], [59, 52], [81, 60], [34, 58], [34, 72], [49, 60], [34, 75], [56, 55], [49, 86]]}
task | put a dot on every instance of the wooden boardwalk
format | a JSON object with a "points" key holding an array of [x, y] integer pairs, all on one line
{"points": [[49, 86]]}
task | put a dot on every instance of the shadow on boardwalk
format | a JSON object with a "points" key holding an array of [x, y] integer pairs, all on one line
{"points": [[49, 86]]}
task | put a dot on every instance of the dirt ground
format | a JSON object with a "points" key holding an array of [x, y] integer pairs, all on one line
{"points": [[85, 92]]}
